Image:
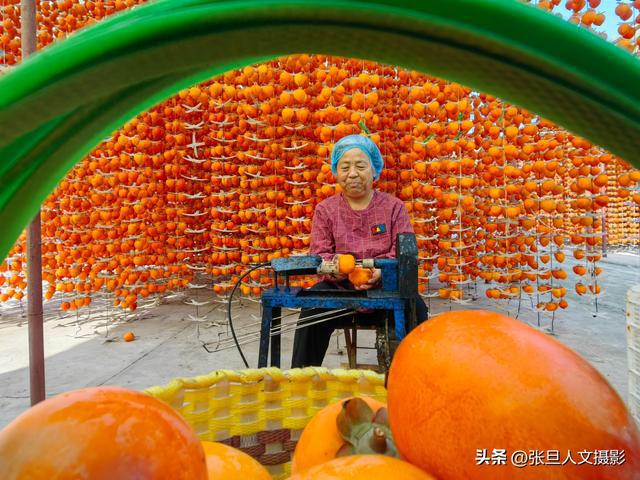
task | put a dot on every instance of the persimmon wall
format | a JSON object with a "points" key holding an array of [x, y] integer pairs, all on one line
{"points": [[54, 123]]}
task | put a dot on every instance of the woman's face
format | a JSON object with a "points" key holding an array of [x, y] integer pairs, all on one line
{"points": [[355, 174]]}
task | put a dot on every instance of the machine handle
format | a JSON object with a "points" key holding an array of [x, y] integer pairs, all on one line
{"points": [[407, 255]]}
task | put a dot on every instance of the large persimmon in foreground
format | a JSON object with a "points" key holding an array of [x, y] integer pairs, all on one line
{"points": [[475, 380], [101, 433], [363, 467]]}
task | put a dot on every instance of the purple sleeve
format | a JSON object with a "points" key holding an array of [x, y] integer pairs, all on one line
{"points": [[400, 223], [322, 242]]}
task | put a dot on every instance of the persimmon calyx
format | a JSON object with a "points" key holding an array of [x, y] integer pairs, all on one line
{"points": [[364, 431]]}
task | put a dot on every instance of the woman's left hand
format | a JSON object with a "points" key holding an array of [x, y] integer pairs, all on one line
{"points": [[373, 281]]}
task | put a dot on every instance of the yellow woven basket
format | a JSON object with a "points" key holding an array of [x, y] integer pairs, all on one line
{"points": [[262, 412]]}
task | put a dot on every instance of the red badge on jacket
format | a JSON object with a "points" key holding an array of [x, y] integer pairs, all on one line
{"points": [[378, 229]]}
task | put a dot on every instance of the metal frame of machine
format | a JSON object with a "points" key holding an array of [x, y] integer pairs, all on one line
{"points": [[397, 293]]}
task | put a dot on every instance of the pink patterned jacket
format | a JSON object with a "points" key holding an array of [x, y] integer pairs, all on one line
{"points": [[368, 233]]}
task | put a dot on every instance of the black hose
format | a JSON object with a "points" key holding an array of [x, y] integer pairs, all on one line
{"points": [[235, 287]]}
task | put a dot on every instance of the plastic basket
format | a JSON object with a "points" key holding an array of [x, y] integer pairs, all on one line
{"points": [[633, 349], [262, 412]]}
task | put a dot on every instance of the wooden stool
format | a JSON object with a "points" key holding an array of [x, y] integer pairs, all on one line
{"points": [[351, 341]]}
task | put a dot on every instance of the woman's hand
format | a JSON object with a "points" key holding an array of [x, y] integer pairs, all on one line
{"points": [[373, 281]]}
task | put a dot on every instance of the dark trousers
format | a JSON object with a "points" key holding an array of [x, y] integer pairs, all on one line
{"points": [[310, 343]]}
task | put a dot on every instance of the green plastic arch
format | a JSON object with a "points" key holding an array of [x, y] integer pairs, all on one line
{"points": [[60, 103]]}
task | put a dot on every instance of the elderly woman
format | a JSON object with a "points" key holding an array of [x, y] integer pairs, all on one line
{"points": [[359, 220]]}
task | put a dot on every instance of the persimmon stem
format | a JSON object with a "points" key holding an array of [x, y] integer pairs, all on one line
{"points": [[378, 441]]}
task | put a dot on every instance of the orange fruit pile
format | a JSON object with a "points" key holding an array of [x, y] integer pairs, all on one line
{"points": [[461, 387], [465, 385]]}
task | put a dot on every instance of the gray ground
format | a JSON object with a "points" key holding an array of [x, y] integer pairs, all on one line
{"points": [[84, 351]]}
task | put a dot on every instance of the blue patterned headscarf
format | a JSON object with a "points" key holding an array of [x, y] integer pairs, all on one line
{"points": [[365, 144]]}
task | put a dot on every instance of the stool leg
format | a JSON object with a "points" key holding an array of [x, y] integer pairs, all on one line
{"points": [[275, 338], [353, 359], [384, 333], [347, 343], [265, 329], [349, 340]]}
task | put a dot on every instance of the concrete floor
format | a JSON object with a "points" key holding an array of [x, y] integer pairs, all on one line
{"points": [[88, 350]]}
